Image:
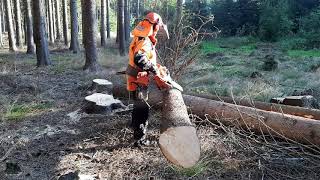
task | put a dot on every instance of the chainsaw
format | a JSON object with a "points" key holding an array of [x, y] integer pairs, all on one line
{"points": [[162, 78]]}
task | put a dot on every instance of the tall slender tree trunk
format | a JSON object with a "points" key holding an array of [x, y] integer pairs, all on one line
{"points": [[126, 20], [118, 20], [51, 22], [11, 37], [1, 38], [74, 44], [40, 38], [54, 19], [121, 28], [58, 19], [17, 11], [103, 23], [29, 31], [108, 19], [138, 8], [178, 12], [65, 22], [1, 27], [4, 27], [89, 28]]}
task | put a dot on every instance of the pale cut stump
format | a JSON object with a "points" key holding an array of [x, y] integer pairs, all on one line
{"points": [[178, 140], [102, 86], [99, 103]]}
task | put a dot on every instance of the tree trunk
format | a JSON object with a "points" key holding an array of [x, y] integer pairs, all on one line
{"points": [[11, 37], [29, 31], [118, 20], [1, 31], [138, 9], [108, 19], [126, 21], [121, 28], [65, 22], [178, 12], [3, 24], [58, 19], [175, 126], [89, 28], [287, 127], [74, 44], [293, 110], [103, 23], [39, 33], [17, 11], [51, 22], [54, 19]]}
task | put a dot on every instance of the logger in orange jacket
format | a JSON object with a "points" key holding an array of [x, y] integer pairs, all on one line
{"points": [[142, 62]]}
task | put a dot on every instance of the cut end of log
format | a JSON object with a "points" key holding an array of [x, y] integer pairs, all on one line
{"points": [[180, 145]]}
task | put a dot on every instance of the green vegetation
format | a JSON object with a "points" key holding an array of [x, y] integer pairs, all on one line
{"points": [[199, 168], [304, 53], [20, 111]]}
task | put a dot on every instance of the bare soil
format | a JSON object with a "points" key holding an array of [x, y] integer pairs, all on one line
{"points": [[60, 139]]}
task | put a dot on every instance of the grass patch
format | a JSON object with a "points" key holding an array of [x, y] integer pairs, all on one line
{"points": [[211, 47], [304, 53], [197, 169], [20, 111]]}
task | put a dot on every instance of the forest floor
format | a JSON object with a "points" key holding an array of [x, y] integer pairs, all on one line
{"points": [[44, 136]]}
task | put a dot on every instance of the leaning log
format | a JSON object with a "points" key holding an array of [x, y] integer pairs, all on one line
{"points": [[175, 126], [289, 127], [293, 110]]}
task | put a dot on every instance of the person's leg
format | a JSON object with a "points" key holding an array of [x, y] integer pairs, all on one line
{"points": [[140, 114]]}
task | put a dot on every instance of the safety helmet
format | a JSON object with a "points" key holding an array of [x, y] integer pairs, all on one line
{"points": [[156, 19]]}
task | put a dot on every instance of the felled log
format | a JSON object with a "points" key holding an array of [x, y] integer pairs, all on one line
{"points": [[178, 140], [99, 103], [275, 106], [101, 86], [286, 126]]}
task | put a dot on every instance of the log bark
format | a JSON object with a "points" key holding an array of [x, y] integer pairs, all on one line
{"points": [[74, 44], [39, 33], [89, 29], [175, 126], [296, 111], [285, 126], [58, 19], [17, 11], [11, 36], [29, 30], [103, 23], [65, 22]]}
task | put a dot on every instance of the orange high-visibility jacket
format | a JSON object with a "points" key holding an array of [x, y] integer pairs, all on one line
{"points": [[141, 44]]}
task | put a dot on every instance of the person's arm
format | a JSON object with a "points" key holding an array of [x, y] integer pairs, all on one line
{"points": [[141, 60]]}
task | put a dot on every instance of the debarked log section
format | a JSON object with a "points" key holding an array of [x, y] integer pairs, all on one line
{"points": [[283, 125]]}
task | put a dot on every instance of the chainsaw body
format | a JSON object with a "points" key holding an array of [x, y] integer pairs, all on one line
{"points": [[162, 79]]}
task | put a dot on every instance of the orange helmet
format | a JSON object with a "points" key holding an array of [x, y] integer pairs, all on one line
{"points": [[154, 18]]}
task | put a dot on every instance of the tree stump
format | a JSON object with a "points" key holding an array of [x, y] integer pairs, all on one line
{"points": [[102, 86], [99, 103], [178, 140]]}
